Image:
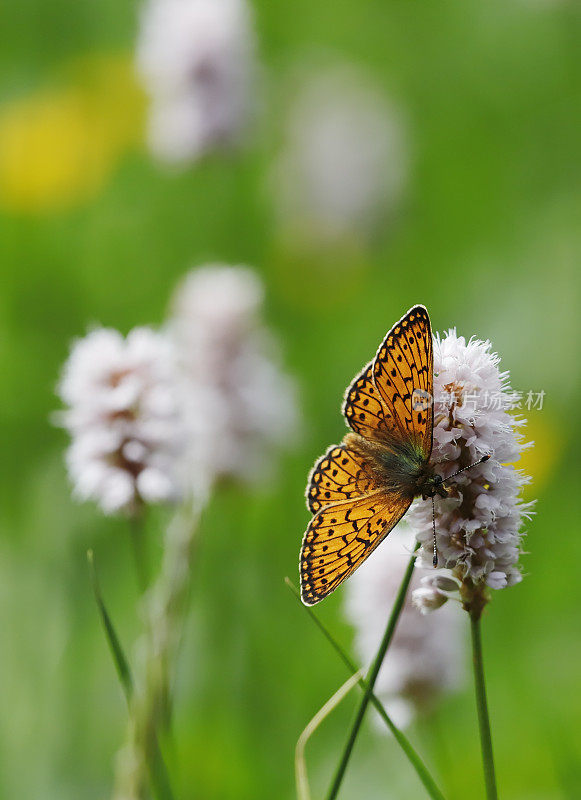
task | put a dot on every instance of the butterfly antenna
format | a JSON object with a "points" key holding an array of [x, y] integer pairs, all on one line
{"points": [[435, 558], [476, 463], [480, 461]]}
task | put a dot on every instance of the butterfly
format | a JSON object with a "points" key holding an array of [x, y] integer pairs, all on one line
{"points": [[360, 489]]}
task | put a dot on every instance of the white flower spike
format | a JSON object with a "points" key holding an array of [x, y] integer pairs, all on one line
{"points": [[478, 525], [238, 403], [344, 162], [123, 419], [196, 60]]}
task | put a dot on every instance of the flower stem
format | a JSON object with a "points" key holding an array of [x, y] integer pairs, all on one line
{"points": [[482, 706], [138, 543], [398, 735], [372, 677], [157, 769], [165, 607]]}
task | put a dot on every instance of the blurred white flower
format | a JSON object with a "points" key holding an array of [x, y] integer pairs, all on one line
{"points": [[344, 160], [196, 60], [479, 524], [426, 654], [123, 419], [238, 402], [236, 406]]}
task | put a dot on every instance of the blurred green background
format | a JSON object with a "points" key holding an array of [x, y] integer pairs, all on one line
{"points": [[488, 237]]}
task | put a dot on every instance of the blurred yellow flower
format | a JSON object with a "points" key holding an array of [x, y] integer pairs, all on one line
{"points": [[539, 461], [58, 146]]}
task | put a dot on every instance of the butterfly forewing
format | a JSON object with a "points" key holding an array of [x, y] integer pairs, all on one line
{"points": [[363, 407], [341, 536], [403, 376], [341, 474]]}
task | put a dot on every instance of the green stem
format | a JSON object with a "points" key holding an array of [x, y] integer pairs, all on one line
{"points": [[400, 738], [138, 543], [372, 677], [482, 706]]}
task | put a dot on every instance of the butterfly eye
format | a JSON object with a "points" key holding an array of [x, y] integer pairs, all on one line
{"points": [[438, 479]]}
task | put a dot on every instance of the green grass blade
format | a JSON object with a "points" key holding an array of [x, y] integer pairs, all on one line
{"points": [[119, 659], [157, 769], [401, 739], [301, 777]]}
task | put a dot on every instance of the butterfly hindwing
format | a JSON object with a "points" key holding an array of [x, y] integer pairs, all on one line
{"points": [[341, 474], [341, 536], [403, 376]]}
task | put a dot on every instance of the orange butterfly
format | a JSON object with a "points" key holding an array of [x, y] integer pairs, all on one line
{"points": [[360, 489]]}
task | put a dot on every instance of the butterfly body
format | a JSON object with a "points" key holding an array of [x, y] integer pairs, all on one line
{"points": [[398, 467], [360, 489]]}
